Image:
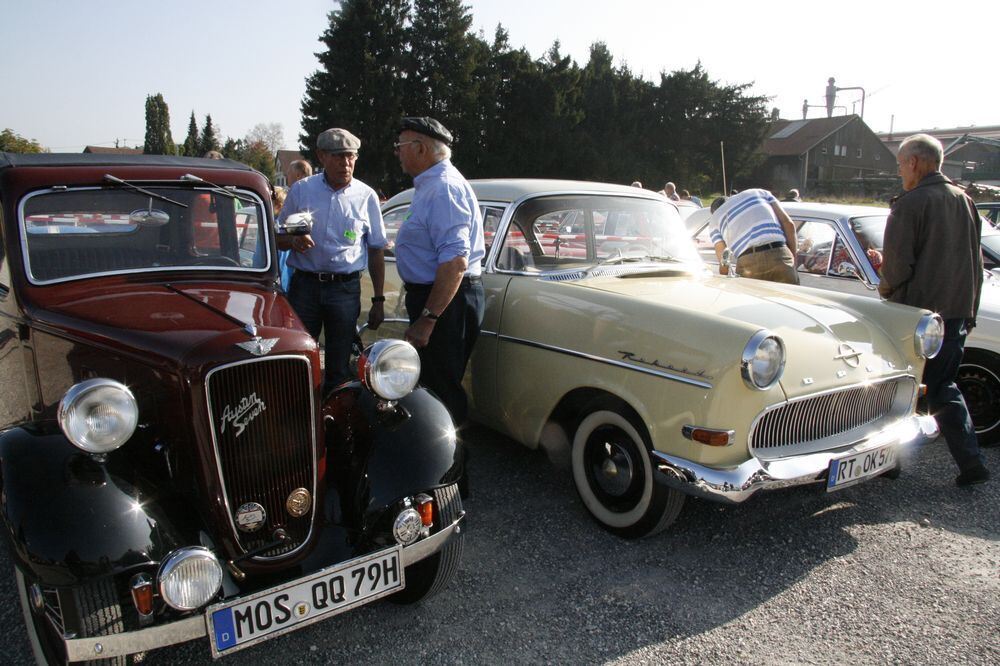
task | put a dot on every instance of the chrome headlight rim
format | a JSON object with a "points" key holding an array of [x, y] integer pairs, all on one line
{"points": [[172, 566], [757, 340], [930, 328], [391, 369], [72, 409]]}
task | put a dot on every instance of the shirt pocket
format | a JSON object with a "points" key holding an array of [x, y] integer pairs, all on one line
{"points": [[354, 231]]}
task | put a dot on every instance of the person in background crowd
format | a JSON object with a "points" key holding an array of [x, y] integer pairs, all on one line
{"points": [[213, 155], [348, 236], [637, 183], [932, 259], [792, 195], [296, 171], [756, 230], [670, 191], [687, 196], [439, 250]]}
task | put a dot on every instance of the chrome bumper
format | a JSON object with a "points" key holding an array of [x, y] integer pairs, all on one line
{"points": [[191, 628], [736, 484]]}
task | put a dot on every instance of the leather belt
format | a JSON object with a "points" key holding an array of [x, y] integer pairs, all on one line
{"points": [[761, 248], [332, 277]]}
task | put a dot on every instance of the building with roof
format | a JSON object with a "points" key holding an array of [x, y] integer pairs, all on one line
{"points": [[971, 154], [828, 155], [112, 150], [282, 160]]}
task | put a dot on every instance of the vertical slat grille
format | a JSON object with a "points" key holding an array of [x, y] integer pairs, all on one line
{"points": [[800, 423], [262, 421]]}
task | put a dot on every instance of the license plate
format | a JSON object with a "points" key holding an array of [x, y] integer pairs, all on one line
{"points": [[857, 467], [279, 610]]}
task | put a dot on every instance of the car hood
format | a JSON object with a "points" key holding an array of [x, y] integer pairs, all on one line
{"points": [[184, 323], [830, 339]]}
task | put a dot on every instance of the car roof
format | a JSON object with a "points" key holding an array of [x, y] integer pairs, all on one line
{"points": [[507, 190], [830, 209], [9, 160]]}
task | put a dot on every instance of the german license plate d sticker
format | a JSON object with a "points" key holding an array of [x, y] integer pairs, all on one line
{"points": [[858, 467]]}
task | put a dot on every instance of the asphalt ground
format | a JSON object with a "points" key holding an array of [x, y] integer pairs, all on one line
{"points": [[904, 571]]}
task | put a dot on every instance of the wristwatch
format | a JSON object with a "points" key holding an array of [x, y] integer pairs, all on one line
{"points": [[430, 315], [378, 299]]}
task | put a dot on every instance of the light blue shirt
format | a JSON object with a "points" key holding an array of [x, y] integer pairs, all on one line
{"points": [[746, 220], [346, 222], [444, 222]]}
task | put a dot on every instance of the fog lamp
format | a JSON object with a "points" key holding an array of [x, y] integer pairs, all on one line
{"points": [[189, 578], [407, 526]]}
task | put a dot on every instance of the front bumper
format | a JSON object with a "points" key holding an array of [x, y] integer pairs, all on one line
{"points": [[191, 628], [737, 484]]}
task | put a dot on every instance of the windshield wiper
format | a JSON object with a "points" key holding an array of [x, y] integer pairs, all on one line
{"points": [[108, 178], [218, 189]]}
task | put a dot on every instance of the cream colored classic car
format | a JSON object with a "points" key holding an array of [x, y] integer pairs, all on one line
{"points": [[606, 335]]}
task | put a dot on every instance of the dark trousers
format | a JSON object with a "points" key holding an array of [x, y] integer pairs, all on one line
{"points": [[331, 307], [945, 402], [443, 360]]}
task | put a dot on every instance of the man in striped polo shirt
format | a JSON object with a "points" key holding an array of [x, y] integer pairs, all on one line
{"points": [[755, 230]]}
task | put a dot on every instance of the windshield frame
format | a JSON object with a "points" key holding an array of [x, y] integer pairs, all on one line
{"points": [[167, 189]]}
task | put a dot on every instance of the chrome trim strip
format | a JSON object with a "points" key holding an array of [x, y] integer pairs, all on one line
{"points": [[607, 361], [196, 626], [737, 484]]}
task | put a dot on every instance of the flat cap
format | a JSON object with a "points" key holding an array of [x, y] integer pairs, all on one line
{"points": [[338, 140], [428, 127]]}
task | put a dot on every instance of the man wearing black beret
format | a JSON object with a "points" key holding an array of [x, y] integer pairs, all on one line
{"points": [[439, 252]]}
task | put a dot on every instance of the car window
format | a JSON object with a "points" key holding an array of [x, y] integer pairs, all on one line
{"points": [[75, 233], [815, 246], [394, 218], [991, 250], [4, 268], [578, 230]]}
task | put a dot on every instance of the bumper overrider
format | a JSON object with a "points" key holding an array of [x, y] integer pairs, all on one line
{"points": [[196, 626], [737, 484]]}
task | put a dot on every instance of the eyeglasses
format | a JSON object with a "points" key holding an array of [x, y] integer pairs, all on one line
{"points": [[396, 146]]}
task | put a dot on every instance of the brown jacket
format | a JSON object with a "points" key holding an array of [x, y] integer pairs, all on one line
{"points": [[932, 255]]}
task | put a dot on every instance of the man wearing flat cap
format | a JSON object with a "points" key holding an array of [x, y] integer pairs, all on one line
{"points": [[347, 237], [439, 250]]}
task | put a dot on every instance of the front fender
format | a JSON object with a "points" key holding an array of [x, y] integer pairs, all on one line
{"points": [[383, 456], [68, 517]]}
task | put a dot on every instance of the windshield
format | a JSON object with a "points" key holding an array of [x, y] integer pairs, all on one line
{"points": [[75, 233], [575, 231]]}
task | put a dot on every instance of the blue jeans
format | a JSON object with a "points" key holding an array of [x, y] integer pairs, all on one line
{"points": [[945, 401], [331, 307]]}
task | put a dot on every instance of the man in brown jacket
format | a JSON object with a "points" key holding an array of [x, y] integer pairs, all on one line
{"points": [[932, 260]]}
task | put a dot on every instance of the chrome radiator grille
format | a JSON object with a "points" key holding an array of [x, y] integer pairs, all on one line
{"points": [[263, 429], [803, 426]]}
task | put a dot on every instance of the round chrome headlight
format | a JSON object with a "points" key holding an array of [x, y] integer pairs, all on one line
{"points": [[763, 360], [98, 415], [189, 578], [391, 369], [929, 336], [407, 526]]}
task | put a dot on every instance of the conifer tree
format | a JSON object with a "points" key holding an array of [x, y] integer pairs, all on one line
{"points": [[158, 140], [191, 143], [209, 138]]}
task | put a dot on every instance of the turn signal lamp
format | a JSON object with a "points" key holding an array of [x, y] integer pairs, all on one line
{"points": [[142, 594], [708, 436], [425, 507]]}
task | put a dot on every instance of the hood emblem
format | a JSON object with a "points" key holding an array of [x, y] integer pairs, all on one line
{"points": [[258, 346], [250, 517], [848, 355]]}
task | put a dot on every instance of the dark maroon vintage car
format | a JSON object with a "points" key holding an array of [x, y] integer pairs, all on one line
{"points": [[170, 466]]}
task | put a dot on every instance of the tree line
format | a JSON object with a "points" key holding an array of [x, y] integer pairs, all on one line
{"points": [[514, 115]]}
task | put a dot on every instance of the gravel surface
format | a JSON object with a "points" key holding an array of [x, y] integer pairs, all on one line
{"points": [[904, 571]]}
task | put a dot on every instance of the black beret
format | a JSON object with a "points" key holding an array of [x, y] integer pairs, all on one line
{"points": [[428, 127]]}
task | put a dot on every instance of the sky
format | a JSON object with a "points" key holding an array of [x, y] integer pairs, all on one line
{"points": [[75, 73]]}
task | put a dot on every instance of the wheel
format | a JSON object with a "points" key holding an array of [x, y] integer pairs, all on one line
{"points": [[429, 576], [614, 476], [979, 381], [214, 260], [99, 615]]}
